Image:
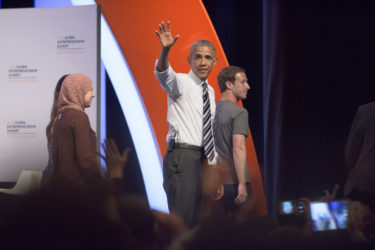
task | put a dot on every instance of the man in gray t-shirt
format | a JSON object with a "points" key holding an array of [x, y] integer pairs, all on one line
{"points": [[231, 130]]}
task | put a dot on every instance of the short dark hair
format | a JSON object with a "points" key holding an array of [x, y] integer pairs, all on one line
{"points": [[228, 74], [204, 43]]}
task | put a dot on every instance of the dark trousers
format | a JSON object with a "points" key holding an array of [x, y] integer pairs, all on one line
{"points": [[182, 182], [226, 203]]}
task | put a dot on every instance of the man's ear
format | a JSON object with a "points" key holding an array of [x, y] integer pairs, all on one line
{"points": [[188, 58], [229, 84], [215, 61]]}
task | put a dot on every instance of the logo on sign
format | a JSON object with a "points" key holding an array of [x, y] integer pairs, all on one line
{"points": [[22, 73], [70, 45], [21, 129]]}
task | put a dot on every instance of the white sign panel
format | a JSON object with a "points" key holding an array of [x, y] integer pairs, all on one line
{"points": [[37, 47]]}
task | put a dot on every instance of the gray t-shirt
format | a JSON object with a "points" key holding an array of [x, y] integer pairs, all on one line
{"points": [[230, 119]]}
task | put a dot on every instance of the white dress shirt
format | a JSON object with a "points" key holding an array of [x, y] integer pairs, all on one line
{"points": [[185, 106]]}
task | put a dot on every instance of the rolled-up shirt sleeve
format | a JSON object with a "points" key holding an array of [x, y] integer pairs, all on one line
{"points": [[168, 81]]}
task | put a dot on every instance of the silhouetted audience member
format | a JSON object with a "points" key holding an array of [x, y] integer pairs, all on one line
{"points": [[360, 156], [288, 237], [168, 227], [226, 233], [136, 213], [67, 217], [62, 217]]}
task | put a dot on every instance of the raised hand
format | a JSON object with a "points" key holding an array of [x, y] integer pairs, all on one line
{"points": [[330, 196], [114, 160], [165, 35]]}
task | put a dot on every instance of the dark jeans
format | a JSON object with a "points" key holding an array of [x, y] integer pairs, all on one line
{"points": [[182, 182]]}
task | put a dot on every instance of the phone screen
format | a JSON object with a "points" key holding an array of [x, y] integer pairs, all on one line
{"points": [[329, 215], [287, 207]]}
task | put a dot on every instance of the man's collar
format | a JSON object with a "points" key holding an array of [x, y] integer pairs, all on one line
{"points": [[195, 78]]}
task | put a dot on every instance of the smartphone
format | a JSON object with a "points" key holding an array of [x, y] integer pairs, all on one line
{"points": [[331, 215], [287, 207]]}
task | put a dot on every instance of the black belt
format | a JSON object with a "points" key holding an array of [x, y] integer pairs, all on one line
{"points": [[174, 144]]}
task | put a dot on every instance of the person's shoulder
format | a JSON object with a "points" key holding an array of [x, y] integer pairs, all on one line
{"points": [[242, 111], [238, 111], [182, 75], [76, 115], [241, 108], [237, 107], [231, 106], [368, 107], [73, 111]]}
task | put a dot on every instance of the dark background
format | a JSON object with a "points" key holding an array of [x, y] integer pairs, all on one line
{"points": [[328, 49], [326, 55], [326, 71]]}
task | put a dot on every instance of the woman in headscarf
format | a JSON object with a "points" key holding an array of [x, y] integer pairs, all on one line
{"points": [[73, 143]]}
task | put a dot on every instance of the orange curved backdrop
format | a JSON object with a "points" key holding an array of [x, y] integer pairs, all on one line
{"points": [[133, 23]]}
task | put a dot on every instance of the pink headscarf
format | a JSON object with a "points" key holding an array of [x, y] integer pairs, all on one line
{"points": [[72, 92]]}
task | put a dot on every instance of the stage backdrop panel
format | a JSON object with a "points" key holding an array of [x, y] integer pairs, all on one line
{"points": [[142, 48], [37, 47]]}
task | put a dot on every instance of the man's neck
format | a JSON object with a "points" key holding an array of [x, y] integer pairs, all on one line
{"points": [[227, 96]]}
